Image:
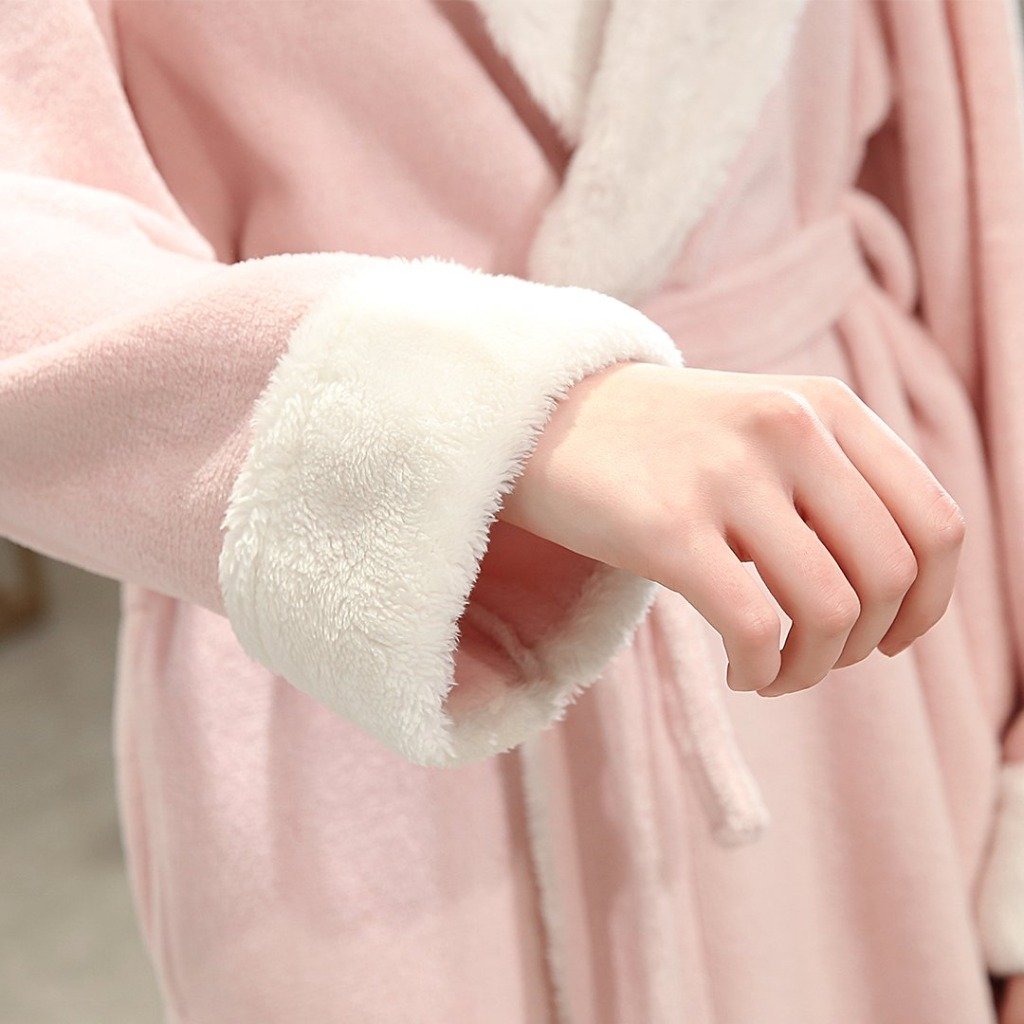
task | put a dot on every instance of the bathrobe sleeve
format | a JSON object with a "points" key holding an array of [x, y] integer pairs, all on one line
{"points": [[953, 168], [315, 445]]}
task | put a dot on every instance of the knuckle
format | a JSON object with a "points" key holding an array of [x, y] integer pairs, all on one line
{"points": [[787, 412], [897, 576], [948, 525], [834, 389], [842, 390], [839, 613], [757, 627]]}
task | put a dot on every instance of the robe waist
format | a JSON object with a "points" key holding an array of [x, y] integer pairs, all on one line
{"points": [[753, 314]]}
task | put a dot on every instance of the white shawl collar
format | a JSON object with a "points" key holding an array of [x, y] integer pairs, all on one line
{"points": [[657, 97]]}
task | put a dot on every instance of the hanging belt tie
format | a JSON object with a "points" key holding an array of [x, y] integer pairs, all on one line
{"points": [[744, 318], [698, 723], [749, 316]]}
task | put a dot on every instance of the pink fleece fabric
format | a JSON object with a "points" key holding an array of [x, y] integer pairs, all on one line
{"points": [[159, 161]]}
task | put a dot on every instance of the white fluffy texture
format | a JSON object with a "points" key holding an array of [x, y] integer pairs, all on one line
{"points": [[676, 92], [1001, 896], [404, 409]]}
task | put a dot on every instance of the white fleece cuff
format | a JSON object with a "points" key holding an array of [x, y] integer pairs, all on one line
{"points": [[404, 408], [1001, 896]]}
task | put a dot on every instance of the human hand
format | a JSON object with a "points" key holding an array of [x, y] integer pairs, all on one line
{"points": [[681, 474]]}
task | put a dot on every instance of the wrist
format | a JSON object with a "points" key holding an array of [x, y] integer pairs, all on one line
{"points": [[528, 504]]}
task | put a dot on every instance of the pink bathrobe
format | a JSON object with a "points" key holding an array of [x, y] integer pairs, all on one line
{"points": [[288, 292]]}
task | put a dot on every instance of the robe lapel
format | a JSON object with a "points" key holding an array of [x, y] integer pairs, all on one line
{"points": [[657, 99]]}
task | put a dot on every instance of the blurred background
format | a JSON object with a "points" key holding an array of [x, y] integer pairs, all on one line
{"points": [[70, 950]]}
